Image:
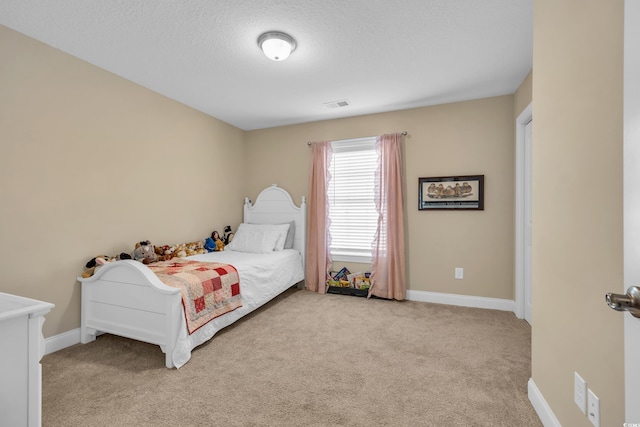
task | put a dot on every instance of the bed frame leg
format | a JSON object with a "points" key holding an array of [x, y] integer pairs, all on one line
{"points": [[87, 335], [167, 356]]}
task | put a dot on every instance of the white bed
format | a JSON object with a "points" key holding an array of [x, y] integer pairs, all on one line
{"points": [[126, 298]]}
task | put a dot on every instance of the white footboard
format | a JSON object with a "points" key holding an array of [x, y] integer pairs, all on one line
{"points": [[126, 298]]}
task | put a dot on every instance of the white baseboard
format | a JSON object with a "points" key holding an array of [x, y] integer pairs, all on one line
{"points": [[462, 300], [60, 341], [541, 406]]}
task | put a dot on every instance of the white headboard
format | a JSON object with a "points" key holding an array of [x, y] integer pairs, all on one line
{"points": [[274, 205]]}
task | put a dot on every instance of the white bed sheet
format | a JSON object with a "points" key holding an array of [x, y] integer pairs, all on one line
{"points": [[262, 278]]}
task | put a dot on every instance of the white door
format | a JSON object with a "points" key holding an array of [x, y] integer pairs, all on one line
{"points": [[632, 203], [528, 225]]}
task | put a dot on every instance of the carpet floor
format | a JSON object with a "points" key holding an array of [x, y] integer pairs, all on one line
{"points": [[306, 359]]}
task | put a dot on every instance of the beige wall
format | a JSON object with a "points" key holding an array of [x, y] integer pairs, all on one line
{"points": [[466, 138], [577, 204], [92, 163]]}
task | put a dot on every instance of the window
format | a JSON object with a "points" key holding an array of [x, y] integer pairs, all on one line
{"points": [[351, 199]]}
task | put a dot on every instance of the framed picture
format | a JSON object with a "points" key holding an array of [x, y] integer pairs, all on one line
{"points": [[451, 193]]}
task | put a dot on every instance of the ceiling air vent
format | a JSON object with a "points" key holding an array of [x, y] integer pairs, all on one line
{"points": [[337, 104]]}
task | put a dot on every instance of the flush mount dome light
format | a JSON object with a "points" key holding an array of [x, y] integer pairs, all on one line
{"points": [[276, 46]]}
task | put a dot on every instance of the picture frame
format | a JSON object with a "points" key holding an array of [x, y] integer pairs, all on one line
{"points": [[464, 192]]}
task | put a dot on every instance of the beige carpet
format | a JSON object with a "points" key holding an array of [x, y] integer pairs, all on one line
{"points": [[308, 360]]}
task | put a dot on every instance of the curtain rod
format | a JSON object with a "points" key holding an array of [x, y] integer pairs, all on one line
{"points": [[404, 133]]}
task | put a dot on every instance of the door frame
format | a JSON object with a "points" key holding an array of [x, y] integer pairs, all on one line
{"points": [[631, 156], [523, 118]]}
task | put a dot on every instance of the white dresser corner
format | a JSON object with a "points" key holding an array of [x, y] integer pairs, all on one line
{"points": [[22, 348]]}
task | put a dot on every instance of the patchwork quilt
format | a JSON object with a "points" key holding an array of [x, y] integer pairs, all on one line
{"points": [[209, 289]]}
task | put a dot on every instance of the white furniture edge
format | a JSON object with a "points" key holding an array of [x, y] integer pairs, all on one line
{"points": [[18, 307]]}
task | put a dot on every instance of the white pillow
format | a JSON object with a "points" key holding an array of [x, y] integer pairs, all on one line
{"points": [[281, 229], [254, 240]]}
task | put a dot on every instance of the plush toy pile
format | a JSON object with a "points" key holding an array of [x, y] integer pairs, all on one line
{"points": [[147, 253], [188, 249], [165, 252]]}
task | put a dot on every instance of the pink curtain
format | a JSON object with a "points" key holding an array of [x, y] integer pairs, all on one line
{"points": [[318, 257], [388, 272]]}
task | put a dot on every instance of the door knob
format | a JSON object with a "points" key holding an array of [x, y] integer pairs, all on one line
{"points": [[629, 302]]}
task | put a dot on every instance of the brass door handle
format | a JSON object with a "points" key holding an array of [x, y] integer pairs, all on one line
{"points": [[629, 302]]}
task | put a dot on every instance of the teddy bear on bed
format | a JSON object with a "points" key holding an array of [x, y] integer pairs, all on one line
{"points": [[219, 245], [145, 252], [164, 252], [196, 248], [214, 243], [180, 250]]}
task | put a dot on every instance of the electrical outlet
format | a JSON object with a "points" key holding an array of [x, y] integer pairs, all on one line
{"points": [[593, 407], [459, 273], [580, 392]]}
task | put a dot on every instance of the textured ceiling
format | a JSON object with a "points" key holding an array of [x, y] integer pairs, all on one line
{"points": [[380, 55]]}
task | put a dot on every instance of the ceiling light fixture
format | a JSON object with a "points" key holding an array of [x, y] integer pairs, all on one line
{"points": [[276, 46]]}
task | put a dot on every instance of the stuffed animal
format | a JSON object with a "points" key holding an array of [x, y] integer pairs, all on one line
{"points": [[209, 244], [200, 247], [164, 252], [214, 243], [159, 250], [180, 250], [94, 263], [196, 248], [145, 252], [228, 235], [122, 255]]}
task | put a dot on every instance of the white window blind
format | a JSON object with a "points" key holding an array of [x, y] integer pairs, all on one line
{"points": [[351, 204]]}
